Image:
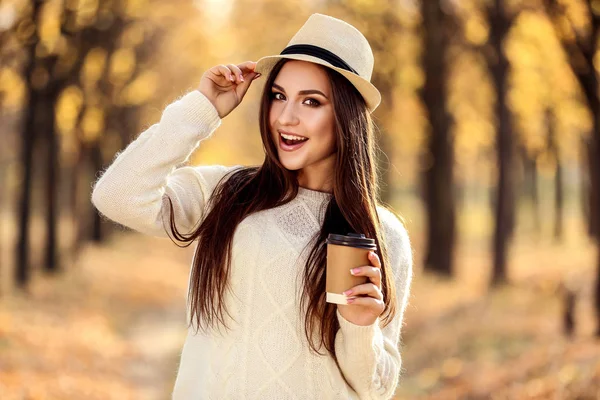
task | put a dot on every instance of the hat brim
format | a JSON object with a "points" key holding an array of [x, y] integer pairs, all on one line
{"points": [[369, 92]]}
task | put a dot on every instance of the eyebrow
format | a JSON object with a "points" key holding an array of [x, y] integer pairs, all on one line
{"points": [[309, 91]]}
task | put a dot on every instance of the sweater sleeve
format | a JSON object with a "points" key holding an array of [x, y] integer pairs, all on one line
{"points": [[369, 356], [134, 188]]}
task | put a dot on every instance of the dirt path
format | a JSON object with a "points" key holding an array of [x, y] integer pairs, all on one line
{"points": [[157, 331], [113, 324], [156, 336]]}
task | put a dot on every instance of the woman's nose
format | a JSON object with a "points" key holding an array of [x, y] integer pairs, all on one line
{"points": [[288, 115]]}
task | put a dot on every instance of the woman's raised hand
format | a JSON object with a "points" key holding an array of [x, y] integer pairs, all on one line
{"points": [[226, 85]]}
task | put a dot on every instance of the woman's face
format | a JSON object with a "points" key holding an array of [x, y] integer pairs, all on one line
{"points": [[301, 105]]}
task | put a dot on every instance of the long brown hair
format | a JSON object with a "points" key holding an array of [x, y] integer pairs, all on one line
{"points": [[352, 208]]}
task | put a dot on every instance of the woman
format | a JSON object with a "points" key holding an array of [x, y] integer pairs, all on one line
{"points": [[262, 229]]}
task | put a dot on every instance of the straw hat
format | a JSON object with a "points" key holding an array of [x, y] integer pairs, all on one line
{"points": [[335, 44]]}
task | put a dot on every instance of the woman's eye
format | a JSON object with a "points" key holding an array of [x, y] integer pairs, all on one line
{"points": [[315, 103]]}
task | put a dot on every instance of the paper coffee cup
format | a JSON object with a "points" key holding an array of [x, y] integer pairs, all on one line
{"points": [[345, 252]]}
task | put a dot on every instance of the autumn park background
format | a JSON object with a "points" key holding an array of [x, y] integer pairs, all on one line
{"points": [[490, 132]]}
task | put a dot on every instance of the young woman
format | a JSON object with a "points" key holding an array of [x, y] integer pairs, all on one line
{"points": [[260, 256]]}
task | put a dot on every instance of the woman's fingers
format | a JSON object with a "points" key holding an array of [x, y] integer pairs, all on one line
{"points": [[234, 73], [374, 258], [223, 71], [247, 66], [369, 289], [374, 273], [242, 69], [226, 85], [369, 302], [237, 73], [373, 288]]}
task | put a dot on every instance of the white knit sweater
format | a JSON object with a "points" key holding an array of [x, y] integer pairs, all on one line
{"points": [[265, 355]]}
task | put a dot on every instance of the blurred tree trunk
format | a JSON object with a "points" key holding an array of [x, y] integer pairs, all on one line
{"points": [[46, 128], [592, 156], [584, 153], [438, 176], [384, 142], [3, 189], [97, 234], [505, 144], [553, 147], [46, 110], [559, 216], [30, 123], [5, 160], [580, 49], [379, 25], [43, 119], [90, 155], [385, 81], [2, 197], [531, 188], [594, 165], [74, 197], [570, 303]]}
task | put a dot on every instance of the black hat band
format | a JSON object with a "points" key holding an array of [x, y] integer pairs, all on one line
{"points": [[319, 52]]}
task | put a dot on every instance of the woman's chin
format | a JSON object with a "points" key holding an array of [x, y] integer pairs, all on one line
{"points": [[291, 167]]}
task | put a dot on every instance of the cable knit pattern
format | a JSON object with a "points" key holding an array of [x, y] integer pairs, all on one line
{"points": [[265, 354]]}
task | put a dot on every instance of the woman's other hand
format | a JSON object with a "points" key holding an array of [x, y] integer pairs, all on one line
{"points": [[366, 302], [226, 85]]}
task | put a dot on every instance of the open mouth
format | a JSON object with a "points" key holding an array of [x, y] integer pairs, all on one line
{"points": [[290, 144]]}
